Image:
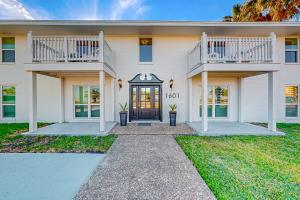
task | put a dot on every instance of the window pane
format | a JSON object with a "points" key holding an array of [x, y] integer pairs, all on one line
{"points": [[145, 49], [291, 111], [81, 111], [95, 95], [8, 95], [8, 43], [221, 111], [291, 43], [221, 95], [8, 56], [291, 95], [209, 111], [95, 111], [291, 56], [210, 95], [9, 111], [81, 94]]}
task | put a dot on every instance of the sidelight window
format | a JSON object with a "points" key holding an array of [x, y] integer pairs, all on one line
{"points": [[8, 101], [291, 101]]}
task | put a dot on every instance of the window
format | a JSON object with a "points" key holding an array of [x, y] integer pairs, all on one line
{"points": [[291, 101], [145, 49], [8, 49], [291, 50], [86, 101], [8, 101], [217, 105]]}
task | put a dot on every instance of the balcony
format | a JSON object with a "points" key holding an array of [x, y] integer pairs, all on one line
{"points": [[70, 53], [233, 54]]}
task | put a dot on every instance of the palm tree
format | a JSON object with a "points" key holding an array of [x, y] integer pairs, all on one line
{"points": [[266, 10]]}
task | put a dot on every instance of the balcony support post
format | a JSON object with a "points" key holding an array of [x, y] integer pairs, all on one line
{"points": [[102, 99], [190, 91], [61, 117], [32, 101], [273, 42], [272, 101], [29, 41], [204, 100], [204, 47]]}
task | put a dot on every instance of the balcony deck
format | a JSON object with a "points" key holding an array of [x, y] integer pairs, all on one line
{"points": [[70, 53], [233, 54]]}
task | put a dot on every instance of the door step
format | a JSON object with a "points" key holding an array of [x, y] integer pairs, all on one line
{"points": [[144, 124]]}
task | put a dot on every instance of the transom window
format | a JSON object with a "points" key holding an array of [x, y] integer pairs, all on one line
{"points": [[86, 101], [8, 101], [291, 101], [8, 49], [291, 50], [217, 101], [145, 50]]}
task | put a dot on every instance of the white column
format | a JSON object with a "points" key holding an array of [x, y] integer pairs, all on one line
{"points": [[271, 101], [190, 93], [112, 92], [274, 40], [102, 100], [61, 105], [29, 42], [204, 100], [241, 99], [32, 102]]}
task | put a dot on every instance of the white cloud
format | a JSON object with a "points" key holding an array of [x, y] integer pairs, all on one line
{"points": [[130, 9], [13, 9]]}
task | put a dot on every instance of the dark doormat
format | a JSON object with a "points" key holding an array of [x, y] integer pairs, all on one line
{"points": [[144, 124]]}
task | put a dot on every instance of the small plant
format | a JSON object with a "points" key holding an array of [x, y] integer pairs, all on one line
{"points": [[173, 107], [124, 108]]}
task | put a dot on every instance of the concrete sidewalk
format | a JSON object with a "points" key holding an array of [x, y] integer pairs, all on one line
{"points": [[145, 167]]}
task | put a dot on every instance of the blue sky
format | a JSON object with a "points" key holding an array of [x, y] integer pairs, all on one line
{"points": [[202, 10]]}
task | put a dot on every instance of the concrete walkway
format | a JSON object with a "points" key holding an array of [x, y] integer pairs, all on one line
{"points": [[47, 176], [145, 167]]}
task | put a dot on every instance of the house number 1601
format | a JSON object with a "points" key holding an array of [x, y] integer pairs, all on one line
{"points": [[172, 95]]}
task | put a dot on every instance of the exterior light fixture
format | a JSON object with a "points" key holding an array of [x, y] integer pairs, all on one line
{"points": [[120, 83], [171, 83]]}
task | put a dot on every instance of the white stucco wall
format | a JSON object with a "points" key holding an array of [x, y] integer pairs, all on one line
{"points": [[169, 61]]}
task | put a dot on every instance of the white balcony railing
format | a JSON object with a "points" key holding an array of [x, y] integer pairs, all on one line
{"points": [[232, 50], [56, 49]]}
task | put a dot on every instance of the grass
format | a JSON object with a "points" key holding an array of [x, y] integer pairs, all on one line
{"points": [[12, 141], [248, 167]]}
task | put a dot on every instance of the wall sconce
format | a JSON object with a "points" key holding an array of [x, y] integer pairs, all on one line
{"points": [[120, 83], [171, 83]]}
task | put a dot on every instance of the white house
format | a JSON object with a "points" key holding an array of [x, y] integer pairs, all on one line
{"points": [[80, 71]]}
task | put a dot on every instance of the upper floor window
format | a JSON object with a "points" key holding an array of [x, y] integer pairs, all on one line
{"points": [[291, 50], [145, 49], [8, 49]]}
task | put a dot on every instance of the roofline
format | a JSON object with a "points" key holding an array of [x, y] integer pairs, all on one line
{"points": [[146, 23]]}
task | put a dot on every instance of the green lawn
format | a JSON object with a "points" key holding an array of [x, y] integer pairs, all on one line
{"points": [[248, 167], [11, 140]]}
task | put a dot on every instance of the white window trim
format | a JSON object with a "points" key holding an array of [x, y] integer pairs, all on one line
{"points": [[139, 52], [2, 104], [213, 104], [89, 104], [1, 51], [298, 104], [297, 50]]}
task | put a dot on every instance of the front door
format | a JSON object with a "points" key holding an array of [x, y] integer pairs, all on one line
{"points": [[145, 103]]}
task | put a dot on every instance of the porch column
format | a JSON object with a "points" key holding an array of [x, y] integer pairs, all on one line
{"points": [[190, 95], [102, 100], [61, 105], [204, 101], [241, 99], [112, 92], [271, 101], [32, 102]]}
